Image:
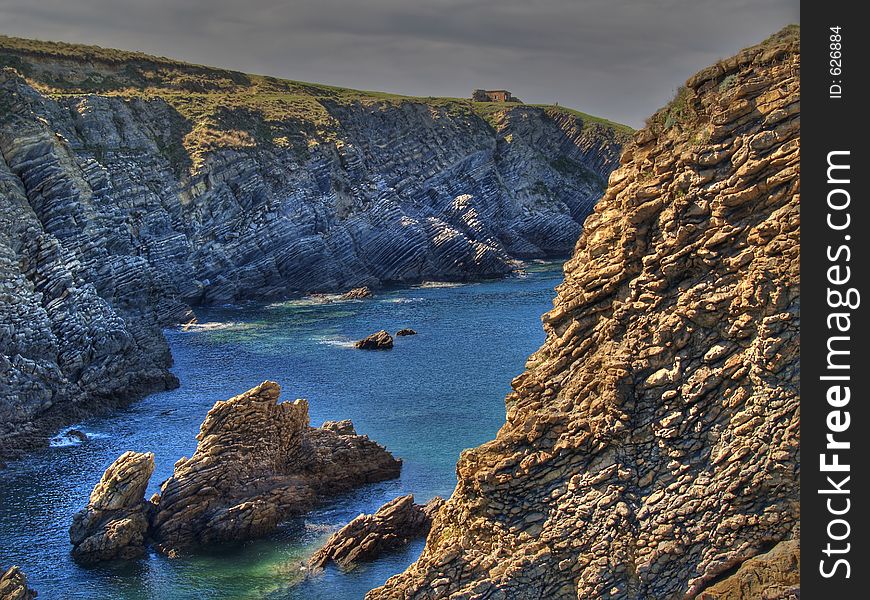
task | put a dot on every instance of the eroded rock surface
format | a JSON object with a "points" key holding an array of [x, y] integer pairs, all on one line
{"points": [[13, 585], [652, 445], [258, 462], [366, 537], [376, 341], [774, 575], [406, 331], [359, 293], [115, 522], [135, 187]]}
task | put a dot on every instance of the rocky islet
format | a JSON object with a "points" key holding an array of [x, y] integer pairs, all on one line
{"points": [[368, 536], [13, 585], [257, 463], [114, 523]]}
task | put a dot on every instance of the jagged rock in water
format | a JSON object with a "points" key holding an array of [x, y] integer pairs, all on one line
{"points": [[258, 462], [404, 332], [774, 575], [652, 445], [366, 537], [124, 208], [115, 522], [376, 341], [77, 435], [344, 427], [357, 294], [13, 585]]}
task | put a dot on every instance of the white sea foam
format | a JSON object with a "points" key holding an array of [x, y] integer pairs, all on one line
{"points": [[214, 326], [63, 440], [315, 300], [403, 300], [440, 284], [331, 340]]}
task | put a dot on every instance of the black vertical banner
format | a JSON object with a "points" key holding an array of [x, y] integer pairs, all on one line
{"points": [[835, 420]]}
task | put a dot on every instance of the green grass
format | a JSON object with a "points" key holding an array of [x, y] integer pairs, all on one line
{"points": [[223, 108], [589, 120]]}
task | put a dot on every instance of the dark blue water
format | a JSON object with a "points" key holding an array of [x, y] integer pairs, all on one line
{"points": [[426, 400]]}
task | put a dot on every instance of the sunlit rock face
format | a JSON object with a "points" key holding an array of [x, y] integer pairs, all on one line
{"points": [[651, 448]]}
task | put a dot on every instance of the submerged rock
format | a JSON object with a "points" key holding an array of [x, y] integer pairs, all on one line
{"points": [[652, 445], [357, 294], [258, 462], [366, 537], [404, 332], [77, 435], [376, 341], [13, 585], [114, 523]]}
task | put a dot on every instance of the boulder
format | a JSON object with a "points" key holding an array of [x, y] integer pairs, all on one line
{"points": [[114, 524], [258, 462], [406, 331], [357, 294], [77, 434], [376, 341], [13, 585], [774, 575], [366, 537]]}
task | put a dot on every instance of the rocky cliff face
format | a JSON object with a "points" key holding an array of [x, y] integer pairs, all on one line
{"points": [[13, 585], [651, 449], [134, 187]]}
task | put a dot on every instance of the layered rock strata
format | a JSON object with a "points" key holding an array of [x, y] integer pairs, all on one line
{"points": [[359, 293], [368, 536], [257, 463], [135, 187], [13, 585], [115, 522], [774, 575], [380, 340], [651, 447]]}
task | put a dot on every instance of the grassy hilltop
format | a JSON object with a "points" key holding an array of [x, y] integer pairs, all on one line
{"points": [[224, 107]]}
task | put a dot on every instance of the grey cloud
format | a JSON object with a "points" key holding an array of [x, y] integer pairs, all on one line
{"points": [[620, 59]]}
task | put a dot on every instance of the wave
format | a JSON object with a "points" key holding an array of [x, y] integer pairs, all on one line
{"points": [[73, 437], [329, 340], [214, 326], [313, 300], [440, 284], [403, 300]]}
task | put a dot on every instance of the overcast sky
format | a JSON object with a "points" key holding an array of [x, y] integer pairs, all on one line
{"points": [[620, 59]]}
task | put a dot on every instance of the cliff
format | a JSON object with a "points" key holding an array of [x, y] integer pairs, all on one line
{"points": [[135, 187], [651, 448]]}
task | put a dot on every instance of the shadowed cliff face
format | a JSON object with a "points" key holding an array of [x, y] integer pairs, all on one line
{"points": [[651, 448], [134, 187]]}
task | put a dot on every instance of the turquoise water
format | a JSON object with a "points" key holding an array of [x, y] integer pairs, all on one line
{"points": [[430, 397]]}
